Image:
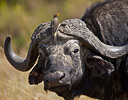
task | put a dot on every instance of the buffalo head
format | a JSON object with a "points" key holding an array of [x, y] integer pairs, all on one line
{"points": [[66, 58]]}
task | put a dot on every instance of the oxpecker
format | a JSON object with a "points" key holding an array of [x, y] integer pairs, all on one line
{"points": [[54, 23]]}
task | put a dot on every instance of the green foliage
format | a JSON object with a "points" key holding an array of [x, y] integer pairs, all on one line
{"points": [[19, 18]]}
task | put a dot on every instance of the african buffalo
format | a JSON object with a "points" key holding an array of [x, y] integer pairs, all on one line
{"points": [[86, 56]]}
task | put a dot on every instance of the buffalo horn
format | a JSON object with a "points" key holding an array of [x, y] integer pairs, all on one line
{"points": [[21, 64], [78, 29], [41, 34]]}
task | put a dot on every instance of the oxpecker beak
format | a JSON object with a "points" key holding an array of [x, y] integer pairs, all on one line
{"points": [[58, 14]]}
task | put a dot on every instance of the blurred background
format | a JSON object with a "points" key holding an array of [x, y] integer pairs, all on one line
{"points": [[19, 18]]}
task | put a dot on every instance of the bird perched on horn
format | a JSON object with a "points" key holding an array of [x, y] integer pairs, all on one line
{"points": [[54, 23]]}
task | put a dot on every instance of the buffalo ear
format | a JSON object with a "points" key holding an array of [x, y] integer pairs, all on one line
{"points": [[36, 75], [99, 66]]}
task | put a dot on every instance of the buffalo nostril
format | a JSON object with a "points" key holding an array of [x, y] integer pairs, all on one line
{"points": [[61, 75], [55, 77]]}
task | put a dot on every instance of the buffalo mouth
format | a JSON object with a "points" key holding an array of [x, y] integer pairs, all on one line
{"points": [[58, 89]]}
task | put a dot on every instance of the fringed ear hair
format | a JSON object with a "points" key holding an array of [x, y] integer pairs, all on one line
{"points": [[99, 66]]}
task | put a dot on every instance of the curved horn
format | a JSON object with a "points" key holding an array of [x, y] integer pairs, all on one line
{"points": [[41, 34], [77, 28], [22, 64]]}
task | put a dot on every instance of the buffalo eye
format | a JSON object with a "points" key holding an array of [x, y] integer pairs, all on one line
{"points": [[76, 50]]}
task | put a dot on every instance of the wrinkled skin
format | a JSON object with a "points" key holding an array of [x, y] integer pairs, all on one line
{"points": [[66, 58]]}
